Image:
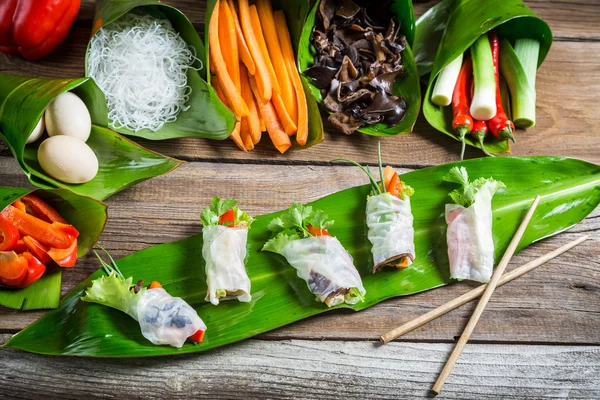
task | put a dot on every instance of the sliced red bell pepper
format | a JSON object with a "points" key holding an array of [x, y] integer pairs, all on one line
{"points": [[35, 270], [20, 205], [395, 187], [40, 209], [51, 235], [9, 235], [198, 336], [227, 219], [13, 268], [316, 231], [155, 285], [64, 257], [33, 28], [37, 249], [20, 247]]}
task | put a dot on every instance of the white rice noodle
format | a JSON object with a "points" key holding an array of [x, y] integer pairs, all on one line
{"points": [[165, 319], [224, 251], [469, 237], [326, 267], [141, 64], [390, 223]]}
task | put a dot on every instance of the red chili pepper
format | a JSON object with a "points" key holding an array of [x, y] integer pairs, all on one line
{"points": [[462, 122], [52, 235], [13, 268], [227, 219], [198, 336], [37, 249], [316, 231], [40, 209], [34, 28], [35, 270], [9, 235], [480, 131], [500, 126], [395, 186], [65, 257]]}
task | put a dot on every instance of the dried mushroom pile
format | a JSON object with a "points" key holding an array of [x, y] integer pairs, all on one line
{"points": [[356, 65]]}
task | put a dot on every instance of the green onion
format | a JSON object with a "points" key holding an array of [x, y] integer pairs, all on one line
{"points": [[445, 82], [505, 95], [522, 89], [483, 105]]}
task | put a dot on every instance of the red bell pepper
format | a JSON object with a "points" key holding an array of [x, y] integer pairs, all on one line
{"points": [[51, 235], [20, 247], [228, 218], [316, 231], [20, 205], [198, 336], [40, 209], [155, 285], [35, 270], [34, 28], [395, 187], [13, 268], [37, 249], [64, 257], [9, 235]]}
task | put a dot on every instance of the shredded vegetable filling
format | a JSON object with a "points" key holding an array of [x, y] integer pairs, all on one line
{"points": [[141, 64]]}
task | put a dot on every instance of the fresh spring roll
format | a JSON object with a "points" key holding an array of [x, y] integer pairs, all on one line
{"points": [[225, 234], [390, 223], [469, 234], [163, 319], [301, 236]]}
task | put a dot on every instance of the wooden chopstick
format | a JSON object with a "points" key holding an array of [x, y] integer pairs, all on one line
{"points": [[485, 298], [473, 294]]}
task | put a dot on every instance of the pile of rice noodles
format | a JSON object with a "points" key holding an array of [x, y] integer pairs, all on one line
{"points": [[140, 63]]}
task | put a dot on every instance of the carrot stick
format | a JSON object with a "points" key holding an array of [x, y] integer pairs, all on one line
{"points": [[236, 137], [217, 85], [263, 80], [265, 12], [253, 119], [243, 50], [245, 134], [228, 42], [229, 90], [286, 121], [288, 54], [235, 134], [280, 139], [260, 38]]}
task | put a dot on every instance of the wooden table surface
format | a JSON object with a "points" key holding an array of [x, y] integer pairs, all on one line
{"points": [[539, 337]]}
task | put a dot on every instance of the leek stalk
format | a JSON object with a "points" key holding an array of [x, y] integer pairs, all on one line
{"points": [[483, 105], [446, 80], [522, 89]]}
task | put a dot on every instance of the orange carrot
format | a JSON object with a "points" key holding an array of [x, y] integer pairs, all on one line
{"points": [[253, 119], [237, 138], [245, 134], [288, 54], [265, 12], [263, 127], [235, 135], [263, 80], [286, 121], [260, 38], [243, 50], [217, 86], [228, 42], [280, 139], [229, 90]]}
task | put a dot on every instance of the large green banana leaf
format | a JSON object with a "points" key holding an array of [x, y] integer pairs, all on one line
{"points": [[570, 190], [455, 25], [295, 15], [122, 162], [207, 116], [86, 214], [407, 85]]}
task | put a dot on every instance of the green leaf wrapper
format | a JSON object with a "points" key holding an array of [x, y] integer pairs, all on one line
{"points": [[570, 190], [85, 214], [122, 163], [207, 117], [455, 25]]}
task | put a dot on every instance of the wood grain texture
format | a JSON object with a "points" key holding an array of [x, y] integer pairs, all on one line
{"points": [[298, 369], [561, 305]]}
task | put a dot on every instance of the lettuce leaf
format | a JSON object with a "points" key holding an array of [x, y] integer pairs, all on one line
{"points": [[277, 243], [211, 214], [113, 291], [465, 196]]}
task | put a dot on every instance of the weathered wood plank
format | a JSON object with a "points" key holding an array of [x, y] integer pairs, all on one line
{"points": [[557, 303], [312, 370]]}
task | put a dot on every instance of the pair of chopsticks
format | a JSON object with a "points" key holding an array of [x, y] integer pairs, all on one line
{"points": [[485, 291]]}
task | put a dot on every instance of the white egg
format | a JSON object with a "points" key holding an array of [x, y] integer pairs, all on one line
{"points": [[68, 159], [37, 131], [67, 115]]}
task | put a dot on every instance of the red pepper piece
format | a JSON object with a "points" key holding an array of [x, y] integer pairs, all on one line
{"points": [[40, 209], [227, 219], [50, 235], [500, 126], [480, 131], [198, 336], [37, 249], [65, 257], [155, 285], [13, 268], [9, 235], [20, 247], [70, 230], [462, 123], [316, 231], [395, 186], [34, 28], [20, 205], [35, 270]]}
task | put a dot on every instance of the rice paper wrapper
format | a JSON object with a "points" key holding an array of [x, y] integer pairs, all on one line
{"points": [[224, 251], [165, 319], [390, 223], [326, 267], [469, 237]]}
